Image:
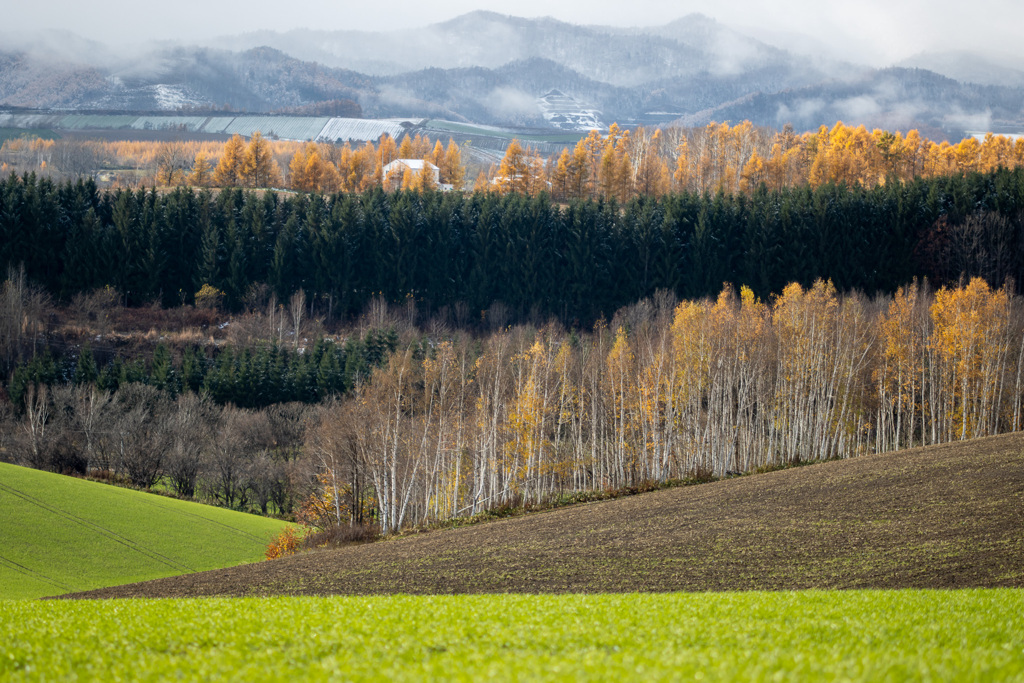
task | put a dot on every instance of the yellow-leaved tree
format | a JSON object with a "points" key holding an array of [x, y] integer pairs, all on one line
{"points": [[259, 169], [202, 171], [512, 174], [971, 340], [229, 169], [452, 170]]}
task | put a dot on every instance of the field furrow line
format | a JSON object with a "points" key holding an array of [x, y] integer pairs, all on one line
{"points": [[28, 571], [112, 535], [185, 513]]}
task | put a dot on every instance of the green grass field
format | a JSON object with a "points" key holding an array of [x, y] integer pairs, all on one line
{"points": [[60, 534], [974, 635]]}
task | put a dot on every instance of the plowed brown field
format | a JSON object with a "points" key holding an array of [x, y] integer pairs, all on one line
{"points": [[948, 516]]}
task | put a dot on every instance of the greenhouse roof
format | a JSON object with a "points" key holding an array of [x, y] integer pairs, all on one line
{"points": [[319, 128]]}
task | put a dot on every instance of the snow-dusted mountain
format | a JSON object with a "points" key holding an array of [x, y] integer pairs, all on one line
{"points": [[489, 68]]}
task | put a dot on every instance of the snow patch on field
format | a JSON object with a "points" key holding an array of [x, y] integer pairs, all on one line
{"points": [[169, 97], [567, 113], [159, 97]]}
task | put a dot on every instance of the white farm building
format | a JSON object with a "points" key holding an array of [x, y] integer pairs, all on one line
{"points": [[395, 171]]}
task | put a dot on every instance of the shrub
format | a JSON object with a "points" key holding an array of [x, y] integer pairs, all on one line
{"points": [[209, 297], [285, 543]]}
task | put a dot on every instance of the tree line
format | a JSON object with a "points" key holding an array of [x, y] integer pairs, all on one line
{"points": [[536, 258], [450, 424], [143, 437], [703, 388], [622, 163], [258, 162], [719, 157]]}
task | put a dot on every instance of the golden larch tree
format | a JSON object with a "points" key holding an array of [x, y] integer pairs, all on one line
{"points": [[259, 169], [229, 169]]}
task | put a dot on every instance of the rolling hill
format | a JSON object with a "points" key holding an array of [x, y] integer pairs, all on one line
{"points": [[59, 534], [949, 516]]}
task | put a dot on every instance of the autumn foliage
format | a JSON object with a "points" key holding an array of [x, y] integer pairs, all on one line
{"points": [[740, 158], [285, 543], [621, 163]]}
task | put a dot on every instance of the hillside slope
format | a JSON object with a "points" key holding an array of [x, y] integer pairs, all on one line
{"points": [[947, 516], [893, 98], [59, 534]]}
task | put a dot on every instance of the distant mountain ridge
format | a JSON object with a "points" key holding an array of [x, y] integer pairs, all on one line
{"points": [[893, 98], [488, 68], [686, 47], [967, 67]]}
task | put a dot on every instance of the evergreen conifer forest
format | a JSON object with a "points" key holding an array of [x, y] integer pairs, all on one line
{"points": [[574, 262]]}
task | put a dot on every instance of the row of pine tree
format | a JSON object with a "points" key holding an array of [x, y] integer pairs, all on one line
{"points": [[576, 262]]}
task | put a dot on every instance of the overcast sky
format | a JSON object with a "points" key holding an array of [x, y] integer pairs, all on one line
{"points": [[879, 32]]}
